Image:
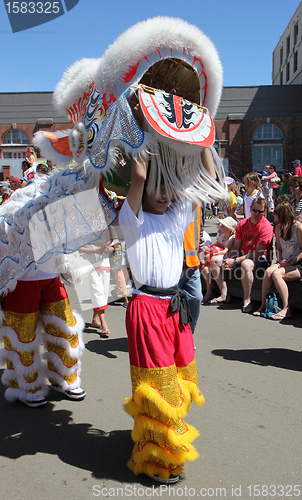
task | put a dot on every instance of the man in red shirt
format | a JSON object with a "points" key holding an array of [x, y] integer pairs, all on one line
{"points": [[253, 240], [297, 168]]}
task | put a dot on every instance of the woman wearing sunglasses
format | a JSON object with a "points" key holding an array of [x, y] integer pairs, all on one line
{"points": [[289, 259], [295, 187]]}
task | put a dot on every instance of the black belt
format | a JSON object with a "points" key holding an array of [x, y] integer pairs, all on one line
{"points": [[179, 301]]}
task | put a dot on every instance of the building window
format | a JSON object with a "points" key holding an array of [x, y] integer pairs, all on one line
{"points": [[267, 131], [295, 61], [281, 78], [296, 33], [281, 56], [267, 154], [287, 46], [16, 155], [16, 136], [287, 72]]}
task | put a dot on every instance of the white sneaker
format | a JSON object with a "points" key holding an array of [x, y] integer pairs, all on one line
{"points": [[76, 393], [35, 401]]}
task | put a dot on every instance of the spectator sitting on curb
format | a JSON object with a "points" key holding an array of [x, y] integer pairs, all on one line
{"points": [[289, 259], [250, 251], [295, 188], [214, 256]]}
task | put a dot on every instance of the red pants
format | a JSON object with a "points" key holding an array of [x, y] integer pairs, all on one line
{"points": [[39, 312], [164, 383]]}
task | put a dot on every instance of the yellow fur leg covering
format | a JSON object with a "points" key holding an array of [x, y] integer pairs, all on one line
{"points": [[162, 438]]}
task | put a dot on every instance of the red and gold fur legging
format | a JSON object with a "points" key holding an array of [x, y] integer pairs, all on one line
{"points": [[35, 313], [164, 383]]}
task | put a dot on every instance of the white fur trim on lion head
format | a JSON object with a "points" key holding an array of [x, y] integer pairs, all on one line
{"points": [[74, 83], [130, 56]]}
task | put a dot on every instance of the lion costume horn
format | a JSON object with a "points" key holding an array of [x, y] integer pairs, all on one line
{"points": [[173, 71]]}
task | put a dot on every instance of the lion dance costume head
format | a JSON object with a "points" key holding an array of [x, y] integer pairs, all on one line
{"points": [[154, 92], [171, 72]]}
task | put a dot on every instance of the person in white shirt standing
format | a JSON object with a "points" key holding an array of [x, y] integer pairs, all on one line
{"points": [[161, 348]]}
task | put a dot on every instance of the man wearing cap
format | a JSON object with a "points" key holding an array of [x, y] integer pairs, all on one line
{"points": [[15, 183], [297, 168], [227, 207]]}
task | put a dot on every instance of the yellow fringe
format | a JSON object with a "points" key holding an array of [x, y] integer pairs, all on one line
{"points": [[152, 470], [152, 453], [144, 460], [133, 406], [163, 440], [195, 393], [144, 423]]}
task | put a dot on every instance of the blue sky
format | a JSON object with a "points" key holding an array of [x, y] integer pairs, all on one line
{"points": [[245, 33]]}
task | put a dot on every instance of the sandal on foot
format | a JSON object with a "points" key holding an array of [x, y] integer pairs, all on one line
{"points": [[247, 309], [280, 317], [206, 300], [105, 331], [258, 313], [218, 301], [95, 325]]}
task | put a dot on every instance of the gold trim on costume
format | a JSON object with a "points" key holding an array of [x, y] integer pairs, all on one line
{"points": [[32, 377], [61, 352], [154, 436], [10, 365], [69, 379], [55, 331], [163, 380], [14, 384], [24, 325], [26, 358], [189, 372], [8, 344], [61, 309]]}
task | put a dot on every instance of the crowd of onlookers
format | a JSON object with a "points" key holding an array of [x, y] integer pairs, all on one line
{"points": [[259, 209], [269, 207], [30, 170]]}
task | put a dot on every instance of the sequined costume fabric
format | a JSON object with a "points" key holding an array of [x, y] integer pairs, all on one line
{"points": [[164, 383], [118, 126], [39, 312]]}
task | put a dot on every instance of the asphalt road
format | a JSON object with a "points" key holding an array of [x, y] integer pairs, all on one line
{"points": [[250, 426]]}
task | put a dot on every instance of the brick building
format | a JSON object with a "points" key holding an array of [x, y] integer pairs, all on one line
{"points": [[255, 126], [21, 115]]}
